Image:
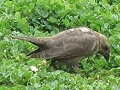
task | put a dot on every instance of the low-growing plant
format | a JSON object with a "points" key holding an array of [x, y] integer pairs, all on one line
{"points": [[46, 18]]}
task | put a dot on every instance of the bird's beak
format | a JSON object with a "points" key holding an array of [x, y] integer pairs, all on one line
{"points": [[106, 55]]}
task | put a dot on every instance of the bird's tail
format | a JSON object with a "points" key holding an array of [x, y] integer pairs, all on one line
{"points": [[35, 40], [30, 39]]}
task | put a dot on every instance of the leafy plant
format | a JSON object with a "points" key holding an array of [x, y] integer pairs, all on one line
{"points": [[45, 18]]}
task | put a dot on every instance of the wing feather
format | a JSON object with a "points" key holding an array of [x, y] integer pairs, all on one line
{"points": [[68, 46]]}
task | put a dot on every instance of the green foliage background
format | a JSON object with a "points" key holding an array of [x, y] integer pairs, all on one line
{"points": [[46, 18]]}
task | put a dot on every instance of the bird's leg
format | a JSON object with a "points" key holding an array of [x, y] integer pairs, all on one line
{"points": [[53, 64]]}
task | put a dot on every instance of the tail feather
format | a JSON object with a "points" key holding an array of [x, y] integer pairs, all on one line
{"points": [[40, 54], [30, 39], [35, 40]]}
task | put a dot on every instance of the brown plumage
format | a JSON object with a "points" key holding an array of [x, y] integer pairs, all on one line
{"points": [[69, 46]]}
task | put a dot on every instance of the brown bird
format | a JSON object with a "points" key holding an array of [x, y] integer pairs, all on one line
{"points": [[69, 46]]}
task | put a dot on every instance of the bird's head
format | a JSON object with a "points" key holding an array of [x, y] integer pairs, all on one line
{"points": [[104, 48]]}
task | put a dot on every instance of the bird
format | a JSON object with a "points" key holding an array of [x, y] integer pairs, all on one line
{"points": [[69, 46]]}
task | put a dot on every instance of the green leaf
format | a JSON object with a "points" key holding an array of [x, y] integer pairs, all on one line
{"points": [[22, 21], [66, 22], [31, 5], [117, 60], [28, 74], [8, 3], [3, 88], [18, 15], [34, 80], [37, 85], [118, 26]]}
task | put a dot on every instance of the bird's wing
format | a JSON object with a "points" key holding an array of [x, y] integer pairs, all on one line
{"points": [[68, 46]]}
